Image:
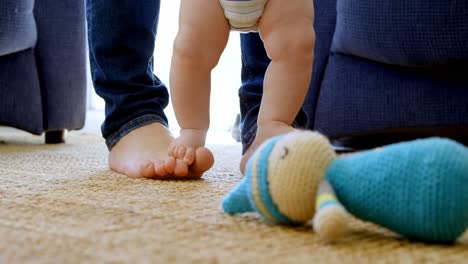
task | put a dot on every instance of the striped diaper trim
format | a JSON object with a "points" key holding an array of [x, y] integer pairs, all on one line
{"points": [[243, 15]]}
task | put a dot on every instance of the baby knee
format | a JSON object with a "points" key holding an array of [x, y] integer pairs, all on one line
{"points": [[189, 49], [295, 41], [185, 49]]}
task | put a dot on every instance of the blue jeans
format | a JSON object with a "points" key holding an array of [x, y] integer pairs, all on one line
{"points": [[121, 44], [255, 62]]}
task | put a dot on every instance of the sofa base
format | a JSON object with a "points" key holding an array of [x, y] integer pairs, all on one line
{"points": [[55, 136], [374, 139]]}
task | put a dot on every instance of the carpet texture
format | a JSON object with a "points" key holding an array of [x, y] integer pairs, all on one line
{"points": [[61, 204]]}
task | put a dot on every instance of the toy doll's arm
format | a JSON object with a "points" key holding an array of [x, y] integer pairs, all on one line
{"points": [[331, 218]]}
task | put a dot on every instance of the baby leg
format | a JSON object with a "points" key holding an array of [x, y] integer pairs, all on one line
{"points": [[286, 29], [202, 37]]}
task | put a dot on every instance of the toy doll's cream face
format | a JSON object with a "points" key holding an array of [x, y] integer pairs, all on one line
{"points": [[297, 165]]}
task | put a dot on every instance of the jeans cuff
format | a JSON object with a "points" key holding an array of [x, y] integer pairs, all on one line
{"points": [[132, 125], [248, 138]]}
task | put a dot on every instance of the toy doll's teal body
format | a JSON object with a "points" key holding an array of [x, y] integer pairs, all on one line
{"points": [[418, 190]]}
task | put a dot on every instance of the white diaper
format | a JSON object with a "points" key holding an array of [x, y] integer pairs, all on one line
{"points": [[243, 15]]}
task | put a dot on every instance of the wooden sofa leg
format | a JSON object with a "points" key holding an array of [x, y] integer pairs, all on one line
{"points": [[55, 136]]}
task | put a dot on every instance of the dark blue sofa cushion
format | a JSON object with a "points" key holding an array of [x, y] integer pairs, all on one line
{"points": [[61, 62], [403, 32], [362, 96], [43, 88], [17, 26], [20, 92]]}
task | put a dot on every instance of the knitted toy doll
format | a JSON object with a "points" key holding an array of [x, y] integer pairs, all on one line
{"points": [[418, 189]]}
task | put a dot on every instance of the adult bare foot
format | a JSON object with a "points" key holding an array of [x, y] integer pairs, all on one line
{"points": [[142, 153], [264, 132]]}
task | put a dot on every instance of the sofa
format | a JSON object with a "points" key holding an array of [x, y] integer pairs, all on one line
{"points": [[384, 71], [43, 66], [389, 70]]}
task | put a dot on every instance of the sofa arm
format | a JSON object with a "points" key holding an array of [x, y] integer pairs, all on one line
{"points": [[61, 59], [17, 26], [402, 32]]}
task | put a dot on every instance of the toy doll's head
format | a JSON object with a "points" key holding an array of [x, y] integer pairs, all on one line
{"points": [[282, 178]]}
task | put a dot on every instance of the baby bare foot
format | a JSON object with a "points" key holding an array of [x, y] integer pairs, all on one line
{"points": [[264, 132], [188, 150], [142, 153]]}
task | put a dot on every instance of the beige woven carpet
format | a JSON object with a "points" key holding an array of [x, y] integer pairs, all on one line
{"points": [[60, 204]]}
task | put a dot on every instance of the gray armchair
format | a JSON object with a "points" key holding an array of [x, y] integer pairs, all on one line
{"points": [[43, 66]]}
